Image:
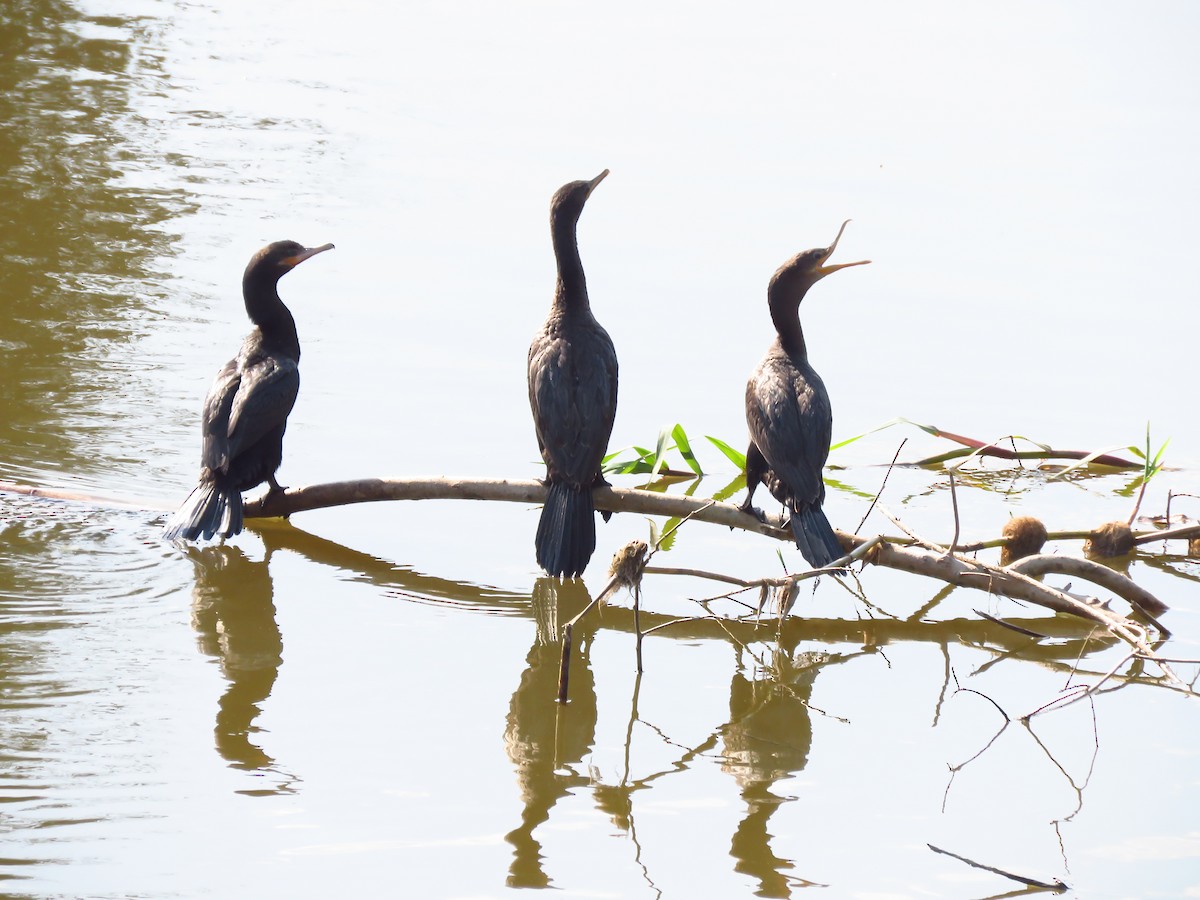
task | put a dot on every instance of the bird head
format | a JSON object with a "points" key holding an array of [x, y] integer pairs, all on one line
{"points": [[276, 260], [568, 200], [806, 268]]}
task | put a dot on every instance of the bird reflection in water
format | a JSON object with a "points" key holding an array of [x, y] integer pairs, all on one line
{"points": [[767, 740], [543, 738], [233, 612]]}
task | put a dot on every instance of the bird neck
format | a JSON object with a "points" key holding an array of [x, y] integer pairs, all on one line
{"points": [[786, 317], [273, 318], [570, 292]]}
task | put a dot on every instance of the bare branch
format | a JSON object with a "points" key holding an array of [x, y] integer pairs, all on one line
{"points": [[960, 570], [369, 490], [1137, 597], [952, 568], [1057, 886]]}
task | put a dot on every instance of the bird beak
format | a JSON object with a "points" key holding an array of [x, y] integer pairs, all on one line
{"points": [[293, 261], [824, 270], [595, 181]]}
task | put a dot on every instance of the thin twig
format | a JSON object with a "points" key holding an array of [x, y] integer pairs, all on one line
{"points": [[1080, 690], [954, 770], [699, 573], [954, 504], [883, 484], [637, 624], [564, 666], [1009, 625], [1057, 886]]}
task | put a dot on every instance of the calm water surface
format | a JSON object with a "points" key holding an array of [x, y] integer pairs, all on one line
{"points": [[360, 702]]}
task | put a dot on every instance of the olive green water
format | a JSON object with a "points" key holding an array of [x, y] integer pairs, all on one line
{"points": [[361, 702]]}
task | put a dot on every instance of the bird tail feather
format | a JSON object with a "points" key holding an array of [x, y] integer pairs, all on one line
{"points": [[815, 537], [210, 509], [566, 533]]}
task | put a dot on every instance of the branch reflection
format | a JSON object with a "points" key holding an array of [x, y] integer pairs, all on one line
{"points": [[765, 741]]}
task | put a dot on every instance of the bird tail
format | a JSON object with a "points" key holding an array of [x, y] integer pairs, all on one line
{"points": [[815, 537], [210, 509], [566, 533]]}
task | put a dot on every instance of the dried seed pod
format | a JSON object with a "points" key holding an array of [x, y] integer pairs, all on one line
{"points": [[1023, 536], [627, 564], [786, 596], [1109, 540]]}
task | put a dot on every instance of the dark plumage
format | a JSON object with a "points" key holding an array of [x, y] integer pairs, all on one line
{"points": [[246, 410], [573, 394], [788, 412]]}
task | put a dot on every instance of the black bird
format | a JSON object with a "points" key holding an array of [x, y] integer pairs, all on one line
{"points": [[573, 394], [788, 411], [246, 410]]}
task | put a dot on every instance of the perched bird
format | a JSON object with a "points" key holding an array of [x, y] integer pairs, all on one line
{"points": [[573, 394], [788, 412], [246, 410]]}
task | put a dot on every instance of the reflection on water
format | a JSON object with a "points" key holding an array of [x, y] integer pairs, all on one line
{"points": [[131, 150], [47, 585], [68, 575], [545, 740], [234, 614], [80, 240], [767, 739]]}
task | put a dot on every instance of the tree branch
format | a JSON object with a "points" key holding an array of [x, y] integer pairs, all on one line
{"points": [[954, 569], [368, 490], [1137, 597]]}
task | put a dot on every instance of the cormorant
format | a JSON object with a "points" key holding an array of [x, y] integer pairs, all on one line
{"points": [[788, 412], [573, 394], [246, 410]]}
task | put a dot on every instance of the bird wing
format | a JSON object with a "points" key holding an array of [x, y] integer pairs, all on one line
{"points": [[264, 398], [790, 420], [214, 424], [573, 395]]}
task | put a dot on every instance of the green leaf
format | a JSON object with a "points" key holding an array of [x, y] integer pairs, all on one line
{"points": [[734, 456], [738, 483], [654, 535], [660, 452], [637, 466], [1079, 463], [685, 448], [670, 532], [859, 437], [1158, 457]]}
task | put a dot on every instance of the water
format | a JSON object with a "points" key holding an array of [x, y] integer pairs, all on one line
{"points": [[361, 701]]}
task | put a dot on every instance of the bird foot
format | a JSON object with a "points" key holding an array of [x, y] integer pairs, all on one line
{"points": [[275, 491], [750, 510]]}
